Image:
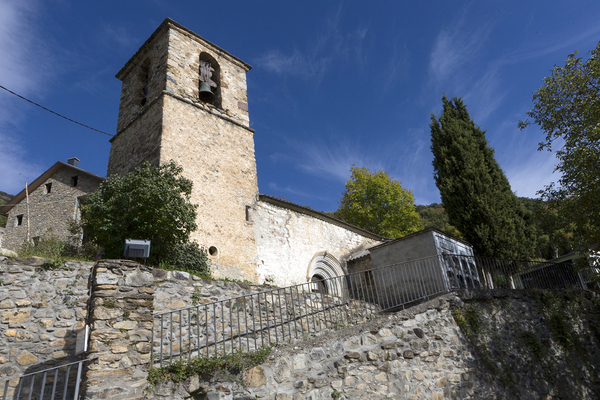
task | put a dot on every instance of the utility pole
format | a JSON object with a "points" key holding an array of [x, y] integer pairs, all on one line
{"points": [[28, 226]]}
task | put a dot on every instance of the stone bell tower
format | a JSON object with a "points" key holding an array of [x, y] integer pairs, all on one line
{"points": [[184, 99]]}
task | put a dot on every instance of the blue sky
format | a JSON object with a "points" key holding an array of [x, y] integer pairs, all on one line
{"points": [[333, 83]]}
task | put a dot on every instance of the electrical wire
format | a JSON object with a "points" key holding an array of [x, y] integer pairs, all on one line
{"points": [[55, 113]]}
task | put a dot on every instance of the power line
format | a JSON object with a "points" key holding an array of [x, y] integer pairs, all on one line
{"points": [[55, 113]]}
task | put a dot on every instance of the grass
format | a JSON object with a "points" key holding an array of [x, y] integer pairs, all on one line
{"points": [[56, 251], [233, 363]]}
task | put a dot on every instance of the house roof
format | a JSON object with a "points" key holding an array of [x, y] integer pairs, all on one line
{"points": [[41, 179], [367, 252], [320, 215], [420, 233]]}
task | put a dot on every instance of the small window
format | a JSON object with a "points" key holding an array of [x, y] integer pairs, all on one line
{"points": [[74, 181], [48, 187], [213, 251], [36, 240], [248, 214], [19, 220]]}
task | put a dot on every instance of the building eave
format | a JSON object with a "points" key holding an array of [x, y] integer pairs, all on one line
{"points": [[5, 209], [320, 215]]}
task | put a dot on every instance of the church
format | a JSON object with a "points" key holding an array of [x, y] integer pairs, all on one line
{"points": [[185, 99]]}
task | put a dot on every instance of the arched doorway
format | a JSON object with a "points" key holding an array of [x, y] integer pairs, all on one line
{"points": [[322, 271]]}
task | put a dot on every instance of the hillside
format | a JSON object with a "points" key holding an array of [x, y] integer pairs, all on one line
{"points": [[4, 198], [553, 237]]}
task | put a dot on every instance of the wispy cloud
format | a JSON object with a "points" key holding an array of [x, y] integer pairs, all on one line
{"points": [[296, 63], [278, 190], [397, 67], [110, 35], [528, 177], [455, 47], [23, 52], [318, 56]]}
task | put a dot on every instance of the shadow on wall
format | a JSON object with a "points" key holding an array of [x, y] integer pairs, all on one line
{"points": [[53, 377]]}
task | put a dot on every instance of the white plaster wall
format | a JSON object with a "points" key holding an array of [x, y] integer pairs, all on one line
{"points": [[288, 240]]}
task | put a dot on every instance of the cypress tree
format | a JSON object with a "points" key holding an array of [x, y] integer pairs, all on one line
{"points": [[474, 189]]}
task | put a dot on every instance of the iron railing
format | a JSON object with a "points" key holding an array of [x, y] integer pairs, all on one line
{"points": [[297, 312], [62, 382], [519, 274]]}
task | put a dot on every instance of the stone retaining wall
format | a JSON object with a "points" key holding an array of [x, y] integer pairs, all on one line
{"points": [[415, 354], [467, 345], [42, 310]]}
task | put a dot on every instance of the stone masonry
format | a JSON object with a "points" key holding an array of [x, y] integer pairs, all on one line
{"points": [[213, 143], [467, 345], [120, 309], [50, 213], [42, 310], [415, 354]]}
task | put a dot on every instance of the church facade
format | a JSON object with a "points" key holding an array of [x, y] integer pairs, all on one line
{"points": [[185, 99]]}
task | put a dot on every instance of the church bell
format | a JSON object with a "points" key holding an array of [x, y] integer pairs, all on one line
{"points": [[205, 94]]}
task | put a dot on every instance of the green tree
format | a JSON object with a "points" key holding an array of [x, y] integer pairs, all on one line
{"points": [[378, 203], [567, 109], [4, 198], [151, 203], [474, 190], [435, 216]]}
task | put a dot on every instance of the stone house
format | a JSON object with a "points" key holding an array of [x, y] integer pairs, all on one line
{"points": [[54, 199]]}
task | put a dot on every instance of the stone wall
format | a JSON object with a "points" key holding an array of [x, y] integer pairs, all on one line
{"points": [[466, 345], [541, 344], [288, 242], [506, 345], [42, 311], [219, 158], [49, 213], [415, 354], [121, 318]]}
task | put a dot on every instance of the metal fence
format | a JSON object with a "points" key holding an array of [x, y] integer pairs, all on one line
{"points": [[62, 382], [518, 274], [249, 322]]}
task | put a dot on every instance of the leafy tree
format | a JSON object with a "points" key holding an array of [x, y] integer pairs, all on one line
{"points": [[554, 238], [567, 108], [435, 216], [4, 198], [378, 203], [150, 203], [474, 190]]}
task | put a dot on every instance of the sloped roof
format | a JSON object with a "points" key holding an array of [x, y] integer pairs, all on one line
{"points": [[367, 251], [41, 179], [420, 233], [319, 215]]}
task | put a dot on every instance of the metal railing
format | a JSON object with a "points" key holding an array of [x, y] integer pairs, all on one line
{"points": [[62, 382], [296, 312], [247, 323], [519, 274]]}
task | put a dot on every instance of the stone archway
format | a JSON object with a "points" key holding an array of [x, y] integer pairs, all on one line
{"points": [[322, 268]]}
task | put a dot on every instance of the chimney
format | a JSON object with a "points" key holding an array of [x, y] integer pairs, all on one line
{"points": [[73, 161]]}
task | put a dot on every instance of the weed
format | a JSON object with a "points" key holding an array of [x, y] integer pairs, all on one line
{"points": [[126, 313], [533, 343], [109, 303], [234, 363], [196, 297], [336, 394]]}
